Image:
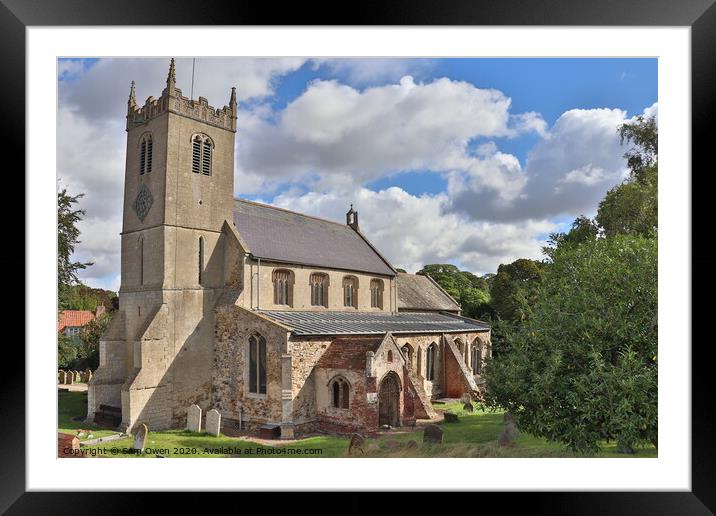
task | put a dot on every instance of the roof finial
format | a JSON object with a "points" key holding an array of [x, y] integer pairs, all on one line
{"points": [[171, 79], [132, 102]]}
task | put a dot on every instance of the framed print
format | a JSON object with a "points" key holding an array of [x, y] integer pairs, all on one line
{"points": [[422, 236]]}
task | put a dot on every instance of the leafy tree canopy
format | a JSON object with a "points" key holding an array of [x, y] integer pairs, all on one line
{"points": [[515, 288], [583, 367], [67, 237], [468, 289]]}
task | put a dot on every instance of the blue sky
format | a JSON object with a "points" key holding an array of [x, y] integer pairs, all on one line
{"points": [[467, 161]]}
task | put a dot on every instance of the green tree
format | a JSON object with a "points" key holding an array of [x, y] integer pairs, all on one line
{"points": [[631, 208], [583, 367], [583, 229], [515, 288], [469, 290], [91, 334], [67, 237]]}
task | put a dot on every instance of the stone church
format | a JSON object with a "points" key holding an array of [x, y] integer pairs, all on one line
{"points": [[267, 315]]}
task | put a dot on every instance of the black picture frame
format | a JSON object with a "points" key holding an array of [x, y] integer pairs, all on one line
{"points": [[699, 15]]}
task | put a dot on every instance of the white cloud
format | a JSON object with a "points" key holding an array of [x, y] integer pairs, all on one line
{"points": [[567, 172], [370, 71], [411, 231], [340, 135]]}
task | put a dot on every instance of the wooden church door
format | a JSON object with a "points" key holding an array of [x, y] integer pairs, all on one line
{"points": [[389, 401]]}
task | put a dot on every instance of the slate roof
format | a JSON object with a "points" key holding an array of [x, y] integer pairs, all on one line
{"points": [[418, 292], [367, 323], [73, 318], [348, 352], [286, 236]]}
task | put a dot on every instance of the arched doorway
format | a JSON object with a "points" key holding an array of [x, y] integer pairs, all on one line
{"points": [[389, 401]]}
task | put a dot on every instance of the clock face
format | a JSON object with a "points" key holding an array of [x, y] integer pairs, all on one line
{"points": [[143, 202]]}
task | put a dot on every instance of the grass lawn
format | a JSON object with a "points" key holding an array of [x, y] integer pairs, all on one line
{"points": [[474, 436], [74, 405]]}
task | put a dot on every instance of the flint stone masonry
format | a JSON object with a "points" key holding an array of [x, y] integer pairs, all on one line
{"points": [[193, 418], [213, 422]]}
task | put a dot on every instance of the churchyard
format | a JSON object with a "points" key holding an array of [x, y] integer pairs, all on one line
{"points": [[473, 435]]}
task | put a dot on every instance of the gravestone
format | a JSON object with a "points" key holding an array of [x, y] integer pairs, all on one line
{"points": [[393, 445], [89, 375], [213, 422], [467, 407], [509, 431], [356, 444], [59, 376], [69, 378], [77, 376], [140, 438], [433, 434], [193, 418], [451, 417], [411, 445]]}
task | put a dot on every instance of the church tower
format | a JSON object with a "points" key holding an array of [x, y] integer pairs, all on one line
{"points": [[156, 356]]}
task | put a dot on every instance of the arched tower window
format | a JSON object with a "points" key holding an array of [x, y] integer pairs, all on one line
{"points": [[340, 393], [282, 287], [350, 291], [476, 357], [257, 364], [201, 259], [145, 154], [319, 289], [430, 362], [376, 293], [202, 149]]}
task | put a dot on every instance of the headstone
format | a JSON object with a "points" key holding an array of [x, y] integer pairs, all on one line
{"points": [[193, 418], [509, 431], [393, 445], [451, 417], [69, 378], [411, 445], [59, 376], [433, 434], [213, 422], [77, 376], [89, 375], [140, 438], [356, 444], [467, 407]]}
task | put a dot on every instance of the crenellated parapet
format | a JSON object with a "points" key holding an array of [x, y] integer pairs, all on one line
{"points": [[173, 101]]}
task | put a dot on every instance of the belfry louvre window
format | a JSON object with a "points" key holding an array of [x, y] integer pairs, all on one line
{"points": [[281, 287], [340, 393], [319, 289], [202, 149], [350, 291], [257, 364], [145, 155], [376, 293]]}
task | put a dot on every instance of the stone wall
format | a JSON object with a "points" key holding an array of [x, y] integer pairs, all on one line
{"points": [[234, 326], [259, 288]]}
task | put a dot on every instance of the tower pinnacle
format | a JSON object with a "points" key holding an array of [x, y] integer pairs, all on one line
{"points": [[132, 102]]}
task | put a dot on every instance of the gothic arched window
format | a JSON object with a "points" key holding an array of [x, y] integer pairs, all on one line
{"points": [[476, 358], [319, 289], [350, 291], [282, 287], [257, 364], [430, 362], [340, 393], [202, 148], [376, 293], [145, 154]]}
